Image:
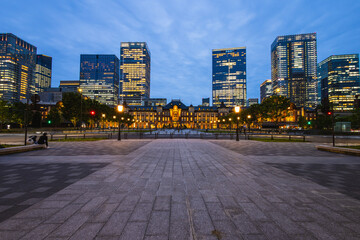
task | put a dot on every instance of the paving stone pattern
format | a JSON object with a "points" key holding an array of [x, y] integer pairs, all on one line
{"points": [[257, 148], [23, 185], [189, 189], [344, 178], [106, 147]]}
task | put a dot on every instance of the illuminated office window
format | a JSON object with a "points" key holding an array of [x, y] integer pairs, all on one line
{"points": [[293, 68], [134, 72], [99, 77], [229, 76], [338, 81], [17, 68]]}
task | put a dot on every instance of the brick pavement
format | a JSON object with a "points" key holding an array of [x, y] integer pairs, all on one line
{"points": [[189, 189], [105, 147]]}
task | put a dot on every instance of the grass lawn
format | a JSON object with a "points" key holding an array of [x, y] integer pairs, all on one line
{"points": [[7, 146], [277, 140], [353, 147], [77, 139]]}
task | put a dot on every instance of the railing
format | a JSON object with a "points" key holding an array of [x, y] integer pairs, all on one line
{"points": [[340, 140]]}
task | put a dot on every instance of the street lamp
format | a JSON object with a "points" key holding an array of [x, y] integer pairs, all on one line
{"points": [[277, 91], [249, 117], [103, 116], [237, 110], [80, 91], [120, 109]]}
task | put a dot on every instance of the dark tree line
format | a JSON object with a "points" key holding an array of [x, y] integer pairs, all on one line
{"points": [[74, 110]]}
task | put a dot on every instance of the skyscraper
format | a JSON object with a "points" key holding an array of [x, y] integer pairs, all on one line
{"points": [[69, 86], [134, 72], [17, 68], [293, 68], [42, 73], [99, 77], [229, 76], [266, 89], [338, 81]]}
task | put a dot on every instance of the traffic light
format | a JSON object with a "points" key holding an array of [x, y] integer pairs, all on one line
{"points": [[309, 122], [92, 113], [329, 113], [49, 121]]}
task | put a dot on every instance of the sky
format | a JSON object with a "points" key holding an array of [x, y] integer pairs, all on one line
{"points": [[180, 34]]}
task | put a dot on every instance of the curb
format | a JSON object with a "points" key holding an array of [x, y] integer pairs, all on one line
{"points": [[19, 149], [348, 151]]}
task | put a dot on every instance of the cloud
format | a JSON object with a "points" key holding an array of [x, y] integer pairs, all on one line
{"points": [[179, 33]]}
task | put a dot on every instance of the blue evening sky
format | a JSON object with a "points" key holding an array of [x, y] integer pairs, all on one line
{"points": [[180, 34]]}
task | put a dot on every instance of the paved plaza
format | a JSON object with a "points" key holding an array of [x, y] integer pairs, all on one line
{"points": [[179, 189]]}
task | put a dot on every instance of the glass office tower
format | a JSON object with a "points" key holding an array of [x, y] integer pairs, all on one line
{"points": [[17, 68], [99, 77], [266, 90], [229, 76], [293, 68], [69, 86], [42, 73], [134, 72], [338, 81]]}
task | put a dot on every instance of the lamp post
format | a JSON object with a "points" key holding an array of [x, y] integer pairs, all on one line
{"points": [[80, 91], [237, 110], [103, 116], [120, 109], [249, 117], [331, 113], [113, 123], [26, 116]]}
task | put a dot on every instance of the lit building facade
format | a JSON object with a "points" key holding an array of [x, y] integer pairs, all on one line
{"points": [[293, 68], [338, 81], [70, 86], [99, 77], [266, 90], [43, 73], [252, 101], [51, 95], [154, 102], [134, 72], [17, 68], [205, 102], [176, 115], [229, 76]]}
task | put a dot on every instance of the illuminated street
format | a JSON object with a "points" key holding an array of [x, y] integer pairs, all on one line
{"points": [[179, 189]]}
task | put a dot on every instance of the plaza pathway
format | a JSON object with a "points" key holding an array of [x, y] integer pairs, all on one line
{"points": [[179, 189]]}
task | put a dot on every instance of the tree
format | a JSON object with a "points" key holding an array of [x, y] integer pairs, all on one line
{"points": [[54, 117], [125, 118], [18, 111], [4, 112], [323, 121], [71, 106], [355, 119], [276, 108], [302, 122], [36, 119]]}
